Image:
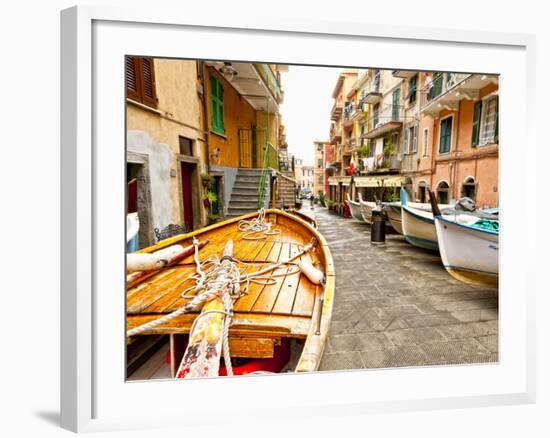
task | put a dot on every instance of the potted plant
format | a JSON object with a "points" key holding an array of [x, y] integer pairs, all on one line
{"points": [[207, 180], [213, 218], [209, 198]]}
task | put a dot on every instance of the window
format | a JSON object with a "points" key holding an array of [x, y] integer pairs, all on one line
{"points": [[412, 89], [395, 104], [469, 188], [443, 193], [425, 142], [489, 121], [485, 123], [411, 135], [320, 163], [140, 80], [186, 146], [376, 112], [216, 105], [476, 123], [445, 130]]}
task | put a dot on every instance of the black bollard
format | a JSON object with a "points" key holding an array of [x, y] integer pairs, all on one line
{"points": [[378, 226]]}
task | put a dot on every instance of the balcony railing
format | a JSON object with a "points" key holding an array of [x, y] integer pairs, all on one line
{"points": [[383, 120], [271, 80], [440, 84]]}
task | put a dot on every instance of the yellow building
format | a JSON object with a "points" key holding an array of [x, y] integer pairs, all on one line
{"points": [[165, 146]]}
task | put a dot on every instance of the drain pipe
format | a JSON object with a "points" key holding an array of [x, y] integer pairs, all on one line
{"points": [[205, 113]]}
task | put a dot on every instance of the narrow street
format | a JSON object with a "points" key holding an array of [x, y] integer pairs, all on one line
{"points": [[396, 306]]}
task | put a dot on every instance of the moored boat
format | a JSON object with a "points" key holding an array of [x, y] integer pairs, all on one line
{"points": [[366, 209], [393, 213], [292, 306], [355, 209], [468, 246]]}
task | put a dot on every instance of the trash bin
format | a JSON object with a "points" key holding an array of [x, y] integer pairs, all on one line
{"points": [[378, 226]]}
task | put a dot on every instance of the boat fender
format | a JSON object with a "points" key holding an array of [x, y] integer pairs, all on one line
{"points": [[311, 272], [148, 262]]}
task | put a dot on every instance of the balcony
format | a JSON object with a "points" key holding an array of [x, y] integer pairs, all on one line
{"points": [[372, 97], [447, 89], [390, 118], [404, 74], [336, 111], [335, 135], [257, 83]]}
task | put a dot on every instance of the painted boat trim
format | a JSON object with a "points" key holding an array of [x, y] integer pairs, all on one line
{"points": [[422, 243]]}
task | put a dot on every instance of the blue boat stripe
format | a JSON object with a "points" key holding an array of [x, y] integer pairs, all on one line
{"points": [[422, 243], [469, 227], [422, 218]]}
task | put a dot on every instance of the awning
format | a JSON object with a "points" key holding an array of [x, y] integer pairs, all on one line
{"points": [[332, 180], [346, 180], [379, 181]]}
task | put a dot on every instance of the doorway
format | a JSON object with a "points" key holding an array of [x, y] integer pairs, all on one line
{"points": [[187, 171]]}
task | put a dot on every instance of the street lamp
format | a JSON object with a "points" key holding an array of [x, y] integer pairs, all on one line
{"points": [[228, 71]]}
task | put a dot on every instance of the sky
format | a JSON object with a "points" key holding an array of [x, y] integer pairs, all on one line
{"points": [[306, 107]]}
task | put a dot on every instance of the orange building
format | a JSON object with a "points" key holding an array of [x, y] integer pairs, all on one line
{"points": [[459, 127]]}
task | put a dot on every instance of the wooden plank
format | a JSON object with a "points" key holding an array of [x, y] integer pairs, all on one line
{"points": [[289, 287], [254, 348], [149, 368], [269, 293], [244, 324]]}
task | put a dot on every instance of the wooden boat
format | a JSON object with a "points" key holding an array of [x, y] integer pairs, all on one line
{"points": [[355, 209], [418, 224], [304, 216], [366, 209], [469, 252], [393, 213], [289, 309]]}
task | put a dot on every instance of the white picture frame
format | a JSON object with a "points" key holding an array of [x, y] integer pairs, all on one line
{"points": [[92, 392]]}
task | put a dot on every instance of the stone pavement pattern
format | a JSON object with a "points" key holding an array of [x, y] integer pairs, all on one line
{"points": [[396, 306]]}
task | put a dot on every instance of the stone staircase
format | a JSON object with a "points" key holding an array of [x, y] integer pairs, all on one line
{"points": [[244, 196], [287, 191]]}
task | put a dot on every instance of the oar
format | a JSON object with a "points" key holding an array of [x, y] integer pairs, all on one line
{"points": [[203, 352], [433, 203], [174, 255]]}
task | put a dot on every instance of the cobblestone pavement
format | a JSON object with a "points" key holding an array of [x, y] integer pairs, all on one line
{"points": [[396, 305]]}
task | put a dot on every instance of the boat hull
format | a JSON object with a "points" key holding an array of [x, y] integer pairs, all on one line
{"points": [[291, 307], [393, 212], [355, 210], [419, 228], [469, 254], [366, 210]]}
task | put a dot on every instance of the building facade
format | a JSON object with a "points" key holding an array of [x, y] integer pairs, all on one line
{"points": [[319, 166], [419, 130], [191, 126]]}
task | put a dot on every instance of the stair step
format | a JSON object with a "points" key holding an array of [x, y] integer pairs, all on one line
{"points": [[250, 171], [243, 199], [245, 185], [247, 178]]}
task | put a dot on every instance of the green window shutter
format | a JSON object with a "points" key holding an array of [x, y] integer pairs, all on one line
{"points": [[476, 124], [445, 135], [216, 104], [496, 126]]}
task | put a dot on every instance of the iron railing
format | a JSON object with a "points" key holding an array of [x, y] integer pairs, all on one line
{"points": [[269, 160]]}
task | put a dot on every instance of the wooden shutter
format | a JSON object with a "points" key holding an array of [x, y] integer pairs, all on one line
{"points": [[216, 105], [140, 80], [496, 122], [476, 123], [149, 96], [132, 78]]}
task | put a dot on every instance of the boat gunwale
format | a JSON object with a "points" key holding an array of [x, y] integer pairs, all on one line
{"points": [[314, 344]]}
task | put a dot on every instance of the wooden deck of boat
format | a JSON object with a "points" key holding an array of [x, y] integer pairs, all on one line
{"points": [[284, 308]]}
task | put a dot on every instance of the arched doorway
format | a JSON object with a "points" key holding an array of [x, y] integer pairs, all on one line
{"points": [[469, 188], [443, 192], [422, 191]]}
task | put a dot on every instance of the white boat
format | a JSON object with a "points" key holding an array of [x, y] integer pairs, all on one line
{"points": [[468, 251], [132, 226], [355, 209], [393, 212], [366, 209], [418, 224]]}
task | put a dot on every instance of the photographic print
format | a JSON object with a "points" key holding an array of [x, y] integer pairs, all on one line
{"points": [[293, 218]]}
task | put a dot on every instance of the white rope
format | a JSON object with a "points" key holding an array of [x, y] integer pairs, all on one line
{"points": [[217, 278], [257, 225]]}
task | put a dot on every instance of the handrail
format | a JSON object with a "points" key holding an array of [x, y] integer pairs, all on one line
{"points": [[266, 165]]}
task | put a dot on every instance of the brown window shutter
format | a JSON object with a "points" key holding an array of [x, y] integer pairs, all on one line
{"points": [[132, 78], [148, 86]]}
